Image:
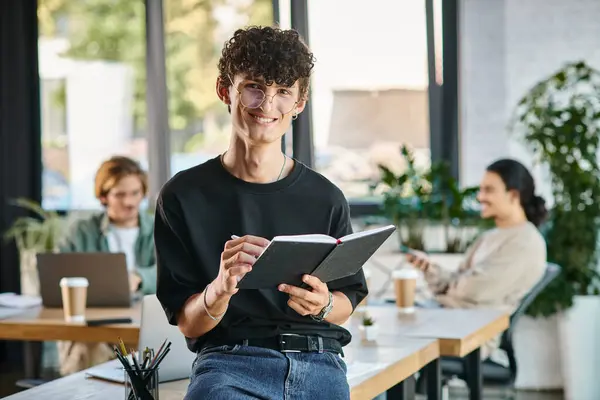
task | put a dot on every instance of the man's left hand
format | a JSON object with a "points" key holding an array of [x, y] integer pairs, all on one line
{"points": [[307, 302], [134, 282]]}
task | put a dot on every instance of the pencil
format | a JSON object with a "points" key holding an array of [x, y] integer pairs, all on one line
{"points": [[135, 361], [158, 352], [123, 348], [159, 360], [146, 358], [160, 356]]}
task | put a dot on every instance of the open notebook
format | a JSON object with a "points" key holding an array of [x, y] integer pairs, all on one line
{"points": [[288, 258]]}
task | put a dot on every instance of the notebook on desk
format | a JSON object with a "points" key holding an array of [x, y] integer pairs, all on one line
{"points": [[288, 258]]}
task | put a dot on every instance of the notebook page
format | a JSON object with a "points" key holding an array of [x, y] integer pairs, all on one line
{"points": [[311, 238], [368, 232]]}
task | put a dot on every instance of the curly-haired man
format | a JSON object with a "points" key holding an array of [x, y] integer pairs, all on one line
{"points": [[270, 344]]}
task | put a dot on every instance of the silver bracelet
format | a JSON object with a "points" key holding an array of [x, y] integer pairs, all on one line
{"points": [[218, 317]]}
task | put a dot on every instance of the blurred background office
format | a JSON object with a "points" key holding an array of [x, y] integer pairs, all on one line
{"points": [[83, 81]]}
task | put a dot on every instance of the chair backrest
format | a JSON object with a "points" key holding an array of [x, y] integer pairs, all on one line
{"points": [[552, 271]]}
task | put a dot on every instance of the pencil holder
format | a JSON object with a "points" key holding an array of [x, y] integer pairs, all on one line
{"points": [[141, 384]]}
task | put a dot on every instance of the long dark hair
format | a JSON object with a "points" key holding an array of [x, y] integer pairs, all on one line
{"points": [[516, 177]]}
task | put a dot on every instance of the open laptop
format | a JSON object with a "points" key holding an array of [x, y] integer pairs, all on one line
{"points": [[106, 273], [154, 329]]}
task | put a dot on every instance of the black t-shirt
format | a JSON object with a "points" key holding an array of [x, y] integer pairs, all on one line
{"points": [[197, 212]]}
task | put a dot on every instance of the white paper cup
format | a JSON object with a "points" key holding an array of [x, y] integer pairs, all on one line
{"points": [[405, 283], [74, 298]]}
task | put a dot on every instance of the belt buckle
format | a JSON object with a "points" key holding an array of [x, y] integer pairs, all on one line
{"points": [[282, 342]]}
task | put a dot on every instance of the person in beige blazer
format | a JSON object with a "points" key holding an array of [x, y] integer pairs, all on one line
{"points": [[503, 264]]}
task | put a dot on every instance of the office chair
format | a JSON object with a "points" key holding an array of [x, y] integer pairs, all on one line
{"points": [[495, 374]]}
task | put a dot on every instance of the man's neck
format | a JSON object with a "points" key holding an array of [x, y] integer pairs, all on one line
{"points": [[257, 164], [511, 221], [129, 223]]}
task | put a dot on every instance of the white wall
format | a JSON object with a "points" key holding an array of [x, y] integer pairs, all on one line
{"points": [[506, 47], [99, 122]]}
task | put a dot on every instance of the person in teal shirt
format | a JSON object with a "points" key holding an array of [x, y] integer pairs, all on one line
{"points": [[120, 185]]}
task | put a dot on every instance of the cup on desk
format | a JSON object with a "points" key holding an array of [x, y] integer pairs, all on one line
{"points": [[405, 283], [74, 298]]}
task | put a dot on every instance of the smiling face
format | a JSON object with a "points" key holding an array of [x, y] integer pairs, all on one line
{"points": [[123, 200], [496, 201], [260, 113]]}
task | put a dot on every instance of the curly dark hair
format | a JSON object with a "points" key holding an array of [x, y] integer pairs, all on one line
{"points": [[275, 55]]}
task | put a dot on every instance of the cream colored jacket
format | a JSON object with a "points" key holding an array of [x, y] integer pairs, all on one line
{"points": [[499, 269]]}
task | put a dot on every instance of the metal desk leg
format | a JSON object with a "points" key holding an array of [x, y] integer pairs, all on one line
{"points": [[473, 375], [404, 390], [433, 374], [32, 359]]}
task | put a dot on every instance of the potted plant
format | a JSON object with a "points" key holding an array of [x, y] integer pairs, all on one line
{"points": [[559, 121], [421, 201], [368, 329], [34, 234], [405, 201], [455, 208]]}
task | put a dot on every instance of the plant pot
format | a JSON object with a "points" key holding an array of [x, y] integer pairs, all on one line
{"points": [[30, 282], [579, 330], [538, 363], [368, 333]]}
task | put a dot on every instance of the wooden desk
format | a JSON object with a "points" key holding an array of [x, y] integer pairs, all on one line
{"points": [[461, 333], [403, 360], [40, 324], [400, 362]]}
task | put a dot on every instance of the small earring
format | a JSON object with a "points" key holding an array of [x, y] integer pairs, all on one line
{"points": [[295, 116]]}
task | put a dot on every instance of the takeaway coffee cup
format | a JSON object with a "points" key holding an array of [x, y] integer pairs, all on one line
{"points": [[74, 298], [405, 283]]}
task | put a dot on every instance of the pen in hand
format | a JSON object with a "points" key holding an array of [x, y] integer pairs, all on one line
{"points": [[233, 237]]}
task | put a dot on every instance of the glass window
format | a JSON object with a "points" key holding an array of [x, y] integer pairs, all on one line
{"points": [[93, 94], [195, 33], [369, 88]]}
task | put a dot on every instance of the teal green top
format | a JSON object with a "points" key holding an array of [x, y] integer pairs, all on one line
{"points": [[89, 236]]}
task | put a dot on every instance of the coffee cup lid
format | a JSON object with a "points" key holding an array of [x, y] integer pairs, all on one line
{"points": [[405, 273], [74, 281]]}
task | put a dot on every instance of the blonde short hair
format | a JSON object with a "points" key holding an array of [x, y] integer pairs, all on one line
{"points": [[113, 170]]}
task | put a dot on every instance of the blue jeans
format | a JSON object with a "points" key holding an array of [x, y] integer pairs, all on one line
{"points": [[246, 372]]}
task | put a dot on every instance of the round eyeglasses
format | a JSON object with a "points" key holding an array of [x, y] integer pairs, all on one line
{"points": [[252, 96]]}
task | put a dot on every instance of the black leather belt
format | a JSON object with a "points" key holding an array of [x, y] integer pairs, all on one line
{"points": [[288, 343]]}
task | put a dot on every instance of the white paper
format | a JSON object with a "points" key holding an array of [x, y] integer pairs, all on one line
{"points": [[12, 300]]}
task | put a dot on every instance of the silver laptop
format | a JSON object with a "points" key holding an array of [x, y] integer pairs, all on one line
{"points": [[106, 273], [154, 329]]}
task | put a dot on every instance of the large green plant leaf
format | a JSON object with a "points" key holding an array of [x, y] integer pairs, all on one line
{"points": [[418, 197], [40, 232], [559, 121]]}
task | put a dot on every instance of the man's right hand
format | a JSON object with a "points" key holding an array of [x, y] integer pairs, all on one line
{"points": [[237, 260]]}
